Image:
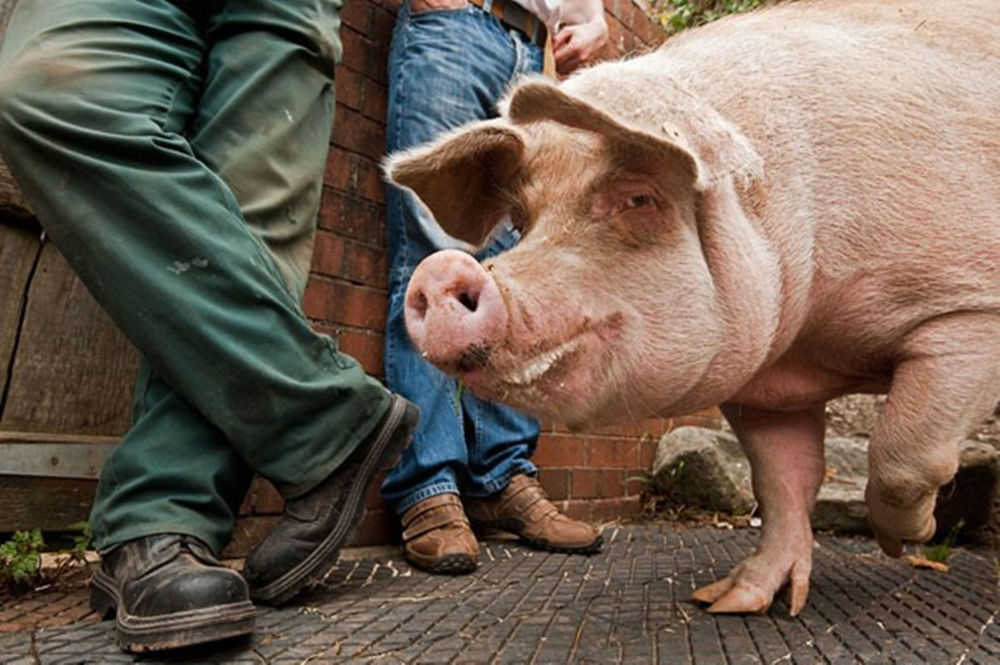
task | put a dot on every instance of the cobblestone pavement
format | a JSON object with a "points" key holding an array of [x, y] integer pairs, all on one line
{"points": [[628, 604]]}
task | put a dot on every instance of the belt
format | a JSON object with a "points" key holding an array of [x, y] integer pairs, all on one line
{"points": [[515, 16]]}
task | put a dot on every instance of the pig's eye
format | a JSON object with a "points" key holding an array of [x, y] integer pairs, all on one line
{"points": [[638, 201]]}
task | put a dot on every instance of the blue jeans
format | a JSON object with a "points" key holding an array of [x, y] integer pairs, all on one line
{"points": [[446, 68]]}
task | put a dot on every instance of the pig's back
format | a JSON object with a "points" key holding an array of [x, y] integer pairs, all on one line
{"points": [[879, 128]]}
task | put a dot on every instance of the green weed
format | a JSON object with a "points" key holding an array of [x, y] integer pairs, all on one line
{"points": [[21, 559], [677, 15]]}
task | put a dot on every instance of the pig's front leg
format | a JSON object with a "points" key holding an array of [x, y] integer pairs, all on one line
{"points": [[786, 460], [948, 378]]}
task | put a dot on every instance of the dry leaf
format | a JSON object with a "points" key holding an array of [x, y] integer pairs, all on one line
{"points": [[921, 562]]}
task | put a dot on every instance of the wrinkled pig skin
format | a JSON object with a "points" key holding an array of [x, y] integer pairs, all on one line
{"points": [[766, 213]]}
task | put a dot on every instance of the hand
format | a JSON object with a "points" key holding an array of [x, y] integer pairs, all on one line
{"points": [[575, 45]]}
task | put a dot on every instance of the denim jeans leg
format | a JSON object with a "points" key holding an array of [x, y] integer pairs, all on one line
{"points": [[446, 68]]}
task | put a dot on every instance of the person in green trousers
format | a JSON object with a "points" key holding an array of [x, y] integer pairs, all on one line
{"points": [[173, 150]]}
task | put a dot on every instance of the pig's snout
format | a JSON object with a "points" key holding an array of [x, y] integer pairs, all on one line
{"points": [[454, 312]]}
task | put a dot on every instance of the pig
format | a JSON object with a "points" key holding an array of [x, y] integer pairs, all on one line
{"points": [[765, 213]]}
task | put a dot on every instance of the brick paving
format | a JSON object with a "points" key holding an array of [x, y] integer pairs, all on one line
{"points": [[628, 604]]}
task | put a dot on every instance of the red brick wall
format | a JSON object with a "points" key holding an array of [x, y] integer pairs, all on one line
{"points": [[591, 475]]}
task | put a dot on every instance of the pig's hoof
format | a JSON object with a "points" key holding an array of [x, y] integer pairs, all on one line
{"points": [[895, 525], [750, 587]]}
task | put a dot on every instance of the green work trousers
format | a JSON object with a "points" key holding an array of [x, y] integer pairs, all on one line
{"points": [[174, 152]]}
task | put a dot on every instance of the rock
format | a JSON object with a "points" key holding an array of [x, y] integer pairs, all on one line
{"points": [[969, 497], [704, 468], [840, 505], [707, 469]]}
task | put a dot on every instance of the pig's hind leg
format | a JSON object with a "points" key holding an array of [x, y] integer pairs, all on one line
{"points": [[786, 460], [947, 380]]}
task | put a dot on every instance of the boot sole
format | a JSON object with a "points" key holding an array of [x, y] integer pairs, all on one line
{"points": [[386, 449], [168, 631], [592, 547], [451, 564]]}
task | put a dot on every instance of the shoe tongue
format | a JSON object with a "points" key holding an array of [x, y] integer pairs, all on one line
{"points": [[162, 550]]}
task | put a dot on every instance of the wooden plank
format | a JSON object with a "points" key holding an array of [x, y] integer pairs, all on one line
{"points": [[6, 7], [73, 371], [50, 504], [54, 455], [19, 249], [12, 203]]}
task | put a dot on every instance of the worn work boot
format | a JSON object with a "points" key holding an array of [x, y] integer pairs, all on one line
{"points": [[437, 536], [169, 591], [305, 543], [524, 509]]}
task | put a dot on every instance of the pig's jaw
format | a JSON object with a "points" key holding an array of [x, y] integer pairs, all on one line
{"points": [[547, 383], [535, 368]]}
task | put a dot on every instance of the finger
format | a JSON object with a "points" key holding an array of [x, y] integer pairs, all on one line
{"points": [[712, 592], [742, 599], [561, 38]]}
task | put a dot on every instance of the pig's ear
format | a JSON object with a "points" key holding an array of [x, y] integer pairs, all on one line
{"points": [[541, 100], [701, 147], [457, 177]]}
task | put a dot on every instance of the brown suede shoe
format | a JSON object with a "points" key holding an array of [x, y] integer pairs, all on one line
{"points": [[437, 536], [524, 509]]}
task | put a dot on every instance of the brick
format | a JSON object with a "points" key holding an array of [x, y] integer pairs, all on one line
{"points": [[615, 39], [647, 452], [350, 87], [577, 510], [560, 450], [336, 256], [612, 453], [611, 483], [362, 54], [585, 483], [357, 15], [333, 301], [352, 217], [248, 533], [363, 346], [652, 426], [383, 21], [372, 499], [637, 482], [555, 482], [354, 174], [262, 499], [378, 527], [376, 103], [615, 509], [359, 134]]}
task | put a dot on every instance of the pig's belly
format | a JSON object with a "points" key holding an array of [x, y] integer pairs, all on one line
{"points": [[797, 387]]}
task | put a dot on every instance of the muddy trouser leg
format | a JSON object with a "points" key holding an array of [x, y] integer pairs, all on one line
{"points": [[175, 159]]}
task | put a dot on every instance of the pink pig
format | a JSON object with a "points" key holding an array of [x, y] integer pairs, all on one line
{"points": [[766, 213]]}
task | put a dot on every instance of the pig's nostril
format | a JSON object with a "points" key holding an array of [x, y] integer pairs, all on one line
{"points": [[419, 304], [469, 302]]}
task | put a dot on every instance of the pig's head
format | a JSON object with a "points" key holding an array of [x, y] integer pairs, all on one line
{"points": [[639, 286]]}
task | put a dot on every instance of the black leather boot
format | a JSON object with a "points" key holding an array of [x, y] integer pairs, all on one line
{"points": [[168, 591], [305, 543]]}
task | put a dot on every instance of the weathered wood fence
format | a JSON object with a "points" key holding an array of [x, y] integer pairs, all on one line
{"points": [[66, 373]]}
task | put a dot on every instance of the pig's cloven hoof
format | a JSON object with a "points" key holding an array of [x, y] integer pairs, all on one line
{"points": [[750, 587], [895, 525]]}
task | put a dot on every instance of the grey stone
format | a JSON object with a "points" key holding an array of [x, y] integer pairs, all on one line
{"points": [[704, 468], [707, 469], [964, 503]]}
